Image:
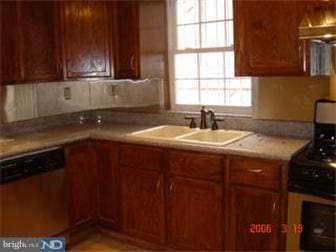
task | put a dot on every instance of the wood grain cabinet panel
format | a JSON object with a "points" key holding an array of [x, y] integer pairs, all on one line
{"points": [[143, 212], [266, 38], [194, 214], [86, 38], [126, 42], [250, 207], [141, 157], [108, 184], [259, 173], [40, 42], [10, 64], [196, 165], [81, 175]]}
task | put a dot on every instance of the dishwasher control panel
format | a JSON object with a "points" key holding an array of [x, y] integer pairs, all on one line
{"points": [[26, 165]]}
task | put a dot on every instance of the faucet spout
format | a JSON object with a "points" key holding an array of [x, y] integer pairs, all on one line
{"points": [[204, 112]]}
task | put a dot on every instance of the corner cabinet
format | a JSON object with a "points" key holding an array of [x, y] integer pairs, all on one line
{"points": [[266, 38], [86, 39], [81, 177], [108, 184]]}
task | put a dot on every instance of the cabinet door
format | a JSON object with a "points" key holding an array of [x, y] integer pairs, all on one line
{"points": [[9, 43], [143, 204], [266, 38], [194, 214], [86, 39], [108, 178], [250, 210], [81, 171], [40, 49], [126, 43]]}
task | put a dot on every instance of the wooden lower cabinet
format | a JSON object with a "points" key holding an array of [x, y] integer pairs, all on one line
{"points": [[166, 197], [108, 184], [194, 209], [252, 212], [81, 177], [143, 212]]}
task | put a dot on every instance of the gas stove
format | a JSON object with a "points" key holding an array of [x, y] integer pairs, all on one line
{"points": [[313, 171]]}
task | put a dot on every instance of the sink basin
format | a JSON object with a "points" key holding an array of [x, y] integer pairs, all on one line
{"points": [[164, 132], [185, 134], [215, 137]]}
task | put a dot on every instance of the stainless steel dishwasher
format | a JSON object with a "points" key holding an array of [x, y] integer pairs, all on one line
{"points": [[33, 195]]}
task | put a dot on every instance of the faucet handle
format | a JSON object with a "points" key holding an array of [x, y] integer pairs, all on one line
{"points": [[214, 125], [192, 121]]}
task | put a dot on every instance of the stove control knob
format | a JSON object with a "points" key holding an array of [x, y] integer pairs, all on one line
{"points": [[330, 176], [305, 172], [315, 174]]}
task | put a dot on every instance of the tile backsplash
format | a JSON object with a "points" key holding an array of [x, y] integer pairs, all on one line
{"points": [[28, 101]]}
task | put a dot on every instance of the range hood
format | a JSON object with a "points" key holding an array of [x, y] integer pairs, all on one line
{"points": [[320, 23]]}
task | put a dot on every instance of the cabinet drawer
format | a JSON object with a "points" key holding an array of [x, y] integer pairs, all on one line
{"points": [[260, 173], [141, 157], [195, 165]]}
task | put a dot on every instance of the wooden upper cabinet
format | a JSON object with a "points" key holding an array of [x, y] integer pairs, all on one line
{"points": [[39, 40], [81, 173], [10, 64], [126, 40], [266, 38], [86, 39], [194, 209], [249, 208]]}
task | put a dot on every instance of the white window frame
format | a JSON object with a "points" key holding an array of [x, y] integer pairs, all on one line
{"points": [[229, 110]]}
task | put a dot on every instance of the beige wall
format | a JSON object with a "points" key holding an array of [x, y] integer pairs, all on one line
{"points": [[289, 98], [153, 42]]}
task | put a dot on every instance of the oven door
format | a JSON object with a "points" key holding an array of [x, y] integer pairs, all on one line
{"points": [[311, 223]]}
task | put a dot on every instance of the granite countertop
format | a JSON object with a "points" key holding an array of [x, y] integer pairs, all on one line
{"points": [[255, 145]]}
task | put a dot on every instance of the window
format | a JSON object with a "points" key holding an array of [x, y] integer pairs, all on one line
{"points": [[202, 57]]}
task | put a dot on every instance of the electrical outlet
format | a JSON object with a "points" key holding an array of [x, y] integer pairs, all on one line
{"points": [[67, 93]]}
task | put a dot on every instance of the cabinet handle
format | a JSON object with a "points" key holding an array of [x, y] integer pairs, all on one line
{"points": [[274, 207], [132, 62], [300, 52], [171, 187], [158, 185], [255, 170]]}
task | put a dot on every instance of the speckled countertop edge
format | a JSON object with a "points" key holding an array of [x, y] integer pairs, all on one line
{"points": [[270, 147]]}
